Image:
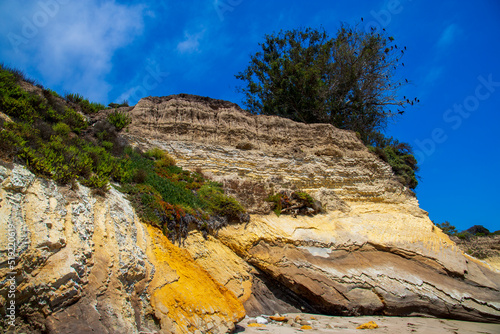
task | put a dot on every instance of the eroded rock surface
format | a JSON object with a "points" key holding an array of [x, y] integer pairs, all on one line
{"points": [[87, 264], [374, 252], [206, 134]]}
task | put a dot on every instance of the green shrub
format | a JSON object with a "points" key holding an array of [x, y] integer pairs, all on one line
{"points": [[173, 192], [75, 98], [14, 101], [55, 141], [107, 145], [464, 235], [305, 197], [140, 176], [91, 107], [13, 139], [119, 119], [75, 120], [219, 204], [96, 181], [447, 228], [155, 153], [17, 74], [277, 200], [86, 106], [165, 161], [401, 160], [62, 129], [53, 93]]}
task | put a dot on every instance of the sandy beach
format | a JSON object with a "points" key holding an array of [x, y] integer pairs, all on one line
{"points": [[331, 324]]}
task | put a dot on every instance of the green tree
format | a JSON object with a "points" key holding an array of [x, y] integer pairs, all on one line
{"points": [[400, 157], [347, 81], [447, 228]]}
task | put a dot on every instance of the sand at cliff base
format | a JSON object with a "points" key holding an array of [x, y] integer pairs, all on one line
{"points": [[390, 325]]}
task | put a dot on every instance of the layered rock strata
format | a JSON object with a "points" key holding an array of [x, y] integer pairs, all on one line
{"points": [[374, 252], [82, 263], [85, 263]]}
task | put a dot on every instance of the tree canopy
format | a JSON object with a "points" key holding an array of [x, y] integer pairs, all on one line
{"points": [[347, 81]]}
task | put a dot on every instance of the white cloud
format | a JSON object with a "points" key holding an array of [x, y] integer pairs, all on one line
{"points": [[191, 43], [74, 45], [448, 36]]}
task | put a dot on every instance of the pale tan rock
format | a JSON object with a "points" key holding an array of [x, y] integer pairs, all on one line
{"points": [[370, 261], [87, 264], [374, 251], [204, 133]]}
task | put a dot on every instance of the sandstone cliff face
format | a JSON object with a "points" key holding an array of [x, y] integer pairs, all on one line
{"points": [[375, 251], [87, 264], [218, 137]]}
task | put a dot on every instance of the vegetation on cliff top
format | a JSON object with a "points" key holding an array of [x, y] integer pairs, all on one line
{"points": [[52, 136], [348, 81], [476, 230], [476, 241]]}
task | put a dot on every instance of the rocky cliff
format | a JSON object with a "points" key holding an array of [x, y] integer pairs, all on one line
{"points": [[374, 251], [86, 263]]}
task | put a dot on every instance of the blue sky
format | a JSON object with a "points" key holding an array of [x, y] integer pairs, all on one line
{"points": [[110, 51]]}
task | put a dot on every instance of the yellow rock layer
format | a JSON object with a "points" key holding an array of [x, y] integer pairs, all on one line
{"points": [[221, 263], [494, 262], [193, 299]]}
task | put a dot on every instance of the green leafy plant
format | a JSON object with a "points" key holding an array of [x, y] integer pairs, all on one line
{"points": [[62, 129], [155, 153], [278, 204], [447, 228], [464, 235], [172, 198], [86, 106], [219, 204], [54, 140], [349, 80], [401, 159], [119, 119]]}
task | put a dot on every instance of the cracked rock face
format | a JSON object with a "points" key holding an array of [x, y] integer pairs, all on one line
{"points": [[209, 134], [374, 252], [86, 264], [351, 265]]}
